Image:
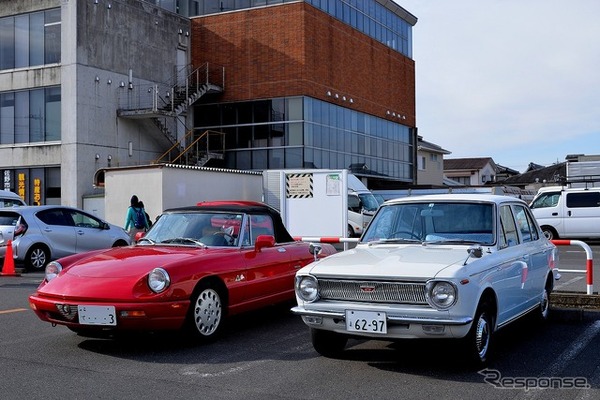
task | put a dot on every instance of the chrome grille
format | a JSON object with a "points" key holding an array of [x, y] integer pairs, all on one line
{"points": [[373, 291]]}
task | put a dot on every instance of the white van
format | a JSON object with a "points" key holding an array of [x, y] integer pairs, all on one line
{"points": [[361, 206], [568, 212], [10, 199]]}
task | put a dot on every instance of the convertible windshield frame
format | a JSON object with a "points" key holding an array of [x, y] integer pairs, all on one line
{"points": [[199, 228]]}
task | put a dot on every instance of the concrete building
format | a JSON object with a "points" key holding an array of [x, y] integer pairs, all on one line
{"points": [[90, 84], [430, 163]]}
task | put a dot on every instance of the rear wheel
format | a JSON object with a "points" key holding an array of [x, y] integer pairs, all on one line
{"points": [[328, 344], [350, 231], [206, 312], [544, 308], [37, 257]]}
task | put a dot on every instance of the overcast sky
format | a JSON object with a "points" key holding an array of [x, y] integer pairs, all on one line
{"points": [[515, 80]]}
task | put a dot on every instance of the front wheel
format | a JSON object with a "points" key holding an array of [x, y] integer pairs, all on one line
{"points": [[206, 313], [549, 233], [328, 344], [479, 339]]}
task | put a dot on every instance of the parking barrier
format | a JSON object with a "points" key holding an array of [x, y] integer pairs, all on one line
{"points": [[589, 271], [326, 239]]}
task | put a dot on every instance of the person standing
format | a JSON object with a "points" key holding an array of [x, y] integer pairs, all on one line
{"points": [[135, 221]]}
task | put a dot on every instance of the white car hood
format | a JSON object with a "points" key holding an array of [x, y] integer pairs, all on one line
{"points": [[390, 262]]}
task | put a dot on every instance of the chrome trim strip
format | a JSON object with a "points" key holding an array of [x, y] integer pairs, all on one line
{"points": [[391, 318]]}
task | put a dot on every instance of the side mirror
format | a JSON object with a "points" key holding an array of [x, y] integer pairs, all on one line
{"points": [[139, 235], [263, 241], [315, 250]]}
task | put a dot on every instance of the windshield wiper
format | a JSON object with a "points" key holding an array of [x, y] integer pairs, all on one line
{"points": [[184, 240], [438, 241], [395, 240], [146, 239]]}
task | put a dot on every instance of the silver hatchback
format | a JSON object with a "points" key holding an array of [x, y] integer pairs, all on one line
{"points": [[43, 233]]}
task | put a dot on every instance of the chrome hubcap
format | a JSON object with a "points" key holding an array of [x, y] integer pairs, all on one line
{"points": [[207, 312], [482, 337]]}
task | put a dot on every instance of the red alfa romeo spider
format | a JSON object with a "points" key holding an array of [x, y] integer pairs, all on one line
{"points": [[194, 267]]}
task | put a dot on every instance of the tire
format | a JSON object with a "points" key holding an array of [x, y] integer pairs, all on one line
{"points": [[549, 233], [328, 344], [544, 308], [37, 257], [206, 313], [350, 232], [479, 340]]}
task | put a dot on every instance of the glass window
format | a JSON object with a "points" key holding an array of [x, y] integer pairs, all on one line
{"points": [[7, 43], [293, 157], [544, 200], [525, 224], [508, 233], [52, 36], [580, 200], [36, 39], [53, 121], [7, 118], [21, 41]]}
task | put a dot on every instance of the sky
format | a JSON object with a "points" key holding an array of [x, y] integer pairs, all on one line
{"points": [[515, 80]]}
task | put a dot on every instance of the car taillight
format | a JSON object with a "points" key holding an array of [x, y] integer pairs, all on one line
{"points": [[20, 229]]}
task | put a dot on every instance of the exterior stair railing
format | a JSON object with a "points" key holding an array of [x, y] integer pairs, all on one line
{"points": [[196, 150]]}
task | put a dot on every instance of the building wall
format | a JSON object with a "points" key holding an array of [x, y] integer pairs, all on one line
{"points": [[102, 45], [433, 173], [295, 49]]}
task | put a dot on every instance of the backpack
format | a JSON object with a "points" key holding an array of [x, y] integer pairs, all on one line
{"points": [[140, 218]]}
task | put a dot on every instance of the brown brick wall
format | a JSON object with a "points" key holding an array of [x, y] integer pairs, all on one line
{"points": [[296, 49]]}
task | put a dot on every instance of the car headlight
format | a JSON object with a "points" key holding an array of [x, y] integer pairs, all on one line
{"points": [[52, 270], [440, 294], [158, 280], [307, 288]]}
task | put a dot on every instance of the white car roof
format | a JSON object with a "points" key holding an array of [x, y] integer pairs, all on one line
{"points": [[462, 197]]}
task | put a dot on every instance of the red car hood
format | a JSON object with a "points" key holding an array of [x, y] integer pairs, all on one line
{"points": [[118, 273]]}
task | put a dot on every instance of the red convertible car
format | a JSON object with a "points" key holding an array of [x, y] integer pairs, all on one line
{"points": [[196, 266]]}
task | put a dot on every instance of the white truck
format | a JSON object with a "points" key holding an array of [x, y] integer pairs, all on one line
{"points": [[361, 206]]}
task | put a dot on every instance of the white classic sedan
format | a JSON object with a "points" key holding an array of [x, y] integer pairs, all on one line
{"points": [[439, 266]]}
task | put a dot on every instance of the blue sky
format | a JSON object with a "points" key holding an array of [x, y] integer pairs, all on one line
{"points": [[515, 80]]}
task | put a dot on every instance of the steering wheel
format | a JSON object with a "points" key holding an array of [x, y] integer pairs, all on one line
{"points": [[227, 234]]}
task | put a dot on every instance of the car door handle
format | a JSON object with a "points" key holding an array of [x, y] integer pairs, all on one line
{"points": [[569, 213], [554, 214], [80, 232]]}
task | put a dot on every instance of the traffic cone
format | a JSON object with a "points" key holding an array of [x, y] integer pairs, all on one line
{"points": [[8, 269]]}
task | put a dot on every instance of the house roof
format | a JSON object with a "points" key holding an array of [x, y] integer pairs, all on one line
{"points": [[540, 175], [431, 147], [467, 163]]}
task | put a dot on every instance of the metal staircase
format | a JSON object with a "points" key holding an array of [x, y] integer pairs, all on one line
{"points": [[198, 149], [164, 103]]}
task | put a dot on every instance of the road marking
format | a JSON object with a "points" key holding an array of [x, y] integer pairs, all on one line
{"points": [[563, 360], [14, 310], [570, 281]]}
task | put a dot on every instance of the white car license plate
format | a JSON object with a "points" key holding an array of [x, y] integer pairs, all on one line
{"points": [[97, 315], [366, 321]]}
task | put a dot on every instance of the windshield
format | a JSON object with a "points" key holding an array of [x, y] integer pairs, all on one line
{"points": [[369, 202], [442, 222], [197, 228]]}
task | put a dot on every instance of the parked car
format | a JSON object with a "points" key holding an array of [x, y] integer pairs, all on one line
{"points": [[194, 267], [438, 266], [565, 212], [42, 233], [10, 199]]}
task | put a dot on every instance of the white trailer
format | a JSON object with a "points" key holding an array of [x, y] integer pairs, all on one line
{"points": [[312, 202], [162, 186]]}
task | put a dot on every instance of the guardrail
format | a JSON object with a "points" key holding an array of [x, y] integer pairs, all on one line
{"points": [[326, 239], [589, 271]]}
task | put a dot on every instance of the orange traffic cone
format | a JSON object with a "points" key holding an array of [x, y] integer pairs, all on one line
{"points": [[8, 269]]}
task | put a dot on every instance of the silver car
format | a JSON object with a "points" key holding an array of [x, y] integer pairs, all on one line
{"points": [[43, 233]]}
